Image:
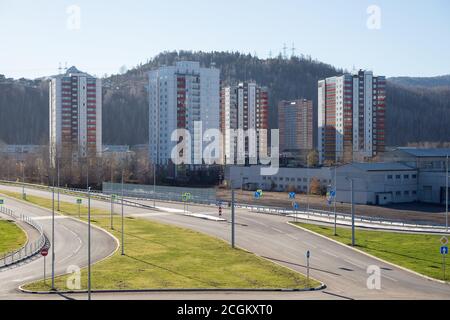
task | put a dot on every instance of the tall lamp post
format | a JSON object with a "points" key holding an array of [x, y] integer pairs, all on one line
{"points": [[446, 196], [123, 244], [352, 200], [89, 243]]}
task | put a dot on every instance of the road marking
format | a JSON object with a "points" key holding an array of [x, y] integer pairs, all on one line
{"points": [[23, 279], [292, 237], [329, 253], [49, 217], [277, 230], [309, 244], [355, 264], [385, 276]]}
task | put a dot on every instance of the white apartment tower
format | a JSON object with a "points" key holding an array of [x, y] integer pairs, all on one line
{"points": [[244, 106], [181, 97], [75, 115], [351, 117]]}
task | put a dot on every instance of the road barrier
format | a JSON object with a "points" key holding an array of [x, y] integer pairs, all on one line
{"points": [[312, 214], [30, 248]]}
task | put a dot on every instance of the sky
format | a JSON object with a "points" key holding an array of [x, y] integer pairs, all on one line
{"points": [[390, 37]]}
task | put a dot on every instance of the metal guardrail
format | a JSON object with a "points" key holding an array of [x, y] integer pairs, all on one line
{"points": [[343, 217], [105, 196], [30, 248]]}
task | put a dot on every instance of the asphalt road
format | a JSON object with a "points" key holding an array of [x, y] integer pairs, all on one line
{"points": [[342, 269], [70, 249]]}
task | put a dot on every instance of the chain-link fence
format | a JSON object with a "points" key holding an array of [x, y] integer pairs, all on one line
{"points": [[196, 195]]}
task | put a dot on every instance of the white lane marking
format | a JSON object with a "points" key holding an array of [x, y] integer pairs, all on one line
{"points": [[48, 217], [292, 237], [277, 230], [355, 264], [23, 279], [329, 253], [309, 244], [80, 243], [385, 276]]}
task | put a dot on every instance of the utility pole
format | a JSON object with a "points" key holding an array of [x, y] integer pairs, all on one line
{"points": [[353, 212], [446, 196], [154, 185], [123, 244], [334, 204], [23, 180], [57, 160], [89, 243], [232, 219], [53, 233]]}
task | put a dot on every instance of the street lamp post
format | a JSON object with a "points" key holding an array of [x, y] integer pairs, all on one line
{"points": [[123, 244], [154, 185], [53, 235], [57, 159], [23, 180], [352, 198], [334, 204], [446, 196], [89, 243]]}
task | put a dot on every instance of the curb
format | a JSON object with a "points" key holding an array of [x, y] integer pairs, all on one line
{"points": [[320, 287], [369, 255], [77, 220], [174, 290]]}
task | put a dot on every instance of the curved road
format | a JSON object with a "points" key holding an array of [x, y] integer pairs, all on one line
{"points": [[70, 249], [342, 269]]}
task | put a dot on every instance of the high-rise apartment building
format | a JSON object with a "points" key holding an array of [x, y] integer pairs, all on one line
{"points": [[295, 124], [75, 115], [182, 97], [351, 117], [244, 106]]}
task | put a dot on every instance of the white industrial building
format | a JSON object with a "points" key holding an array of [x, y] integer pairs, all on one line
{"points": [[408, 175], [376, 183], [286, 179]]}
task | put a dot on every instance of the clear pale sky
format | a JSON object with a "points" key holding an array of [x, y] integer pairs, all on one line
{"points": [[414, 39]]}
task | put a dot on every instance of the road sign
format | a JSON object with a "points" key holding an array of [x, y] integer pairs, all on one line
{"points": [[295, 205], [258, 195], [333, 193], [2, 201], [291, 195], [186, 196], [308, 254], [114, 196], [79, 201], [444, 250], [444, 240], [44, 252], [260, 192]]}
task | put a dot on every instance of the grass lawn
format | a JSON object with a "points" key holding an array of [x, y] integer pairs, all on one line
{"points": [[11, 237], [65, 208], [418, 252], [163, 256]]}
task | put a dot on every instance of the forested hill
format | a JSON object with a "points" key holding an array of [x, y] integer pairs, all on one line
{"points": [[421, 115]]}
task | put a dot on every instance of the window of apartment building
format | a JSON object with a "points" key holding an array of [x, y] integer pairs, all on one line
{"points": [[390, 176], [414, 176], [398, 193], [414, 192], [406, 193], [398, 177], [406, 176]]}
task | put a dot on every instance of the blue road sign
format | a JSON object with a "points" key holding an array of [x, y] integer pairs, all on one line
{"points": [[333, 193], [291, 195], [295, 205], [257, 195], [444, 250]]}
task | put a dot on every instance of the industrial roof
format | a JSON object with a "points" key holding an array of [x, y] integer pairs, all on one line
{"points": [[381, 166], [429, 152]]}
